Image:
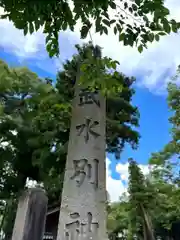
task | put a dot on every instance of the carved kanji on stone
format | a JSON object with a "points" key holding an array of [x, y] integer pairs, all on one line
{"points": [[76, 228], [82, 170], [87, 127], [88, 97]]}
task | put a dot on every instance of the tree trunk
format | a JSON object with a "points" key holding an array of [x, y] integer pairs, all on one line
{"points": [[147, 226]]}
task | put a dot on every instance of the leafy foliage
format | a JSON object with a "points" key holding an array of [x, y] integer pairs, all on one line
{"points": [[129, 19], [168, 158], [139, 217], [117, 219], [25, 134], [32, 118], [157, 195], [35, 123], [100, 73], [121, 115], [8, 216], [151, 208]]}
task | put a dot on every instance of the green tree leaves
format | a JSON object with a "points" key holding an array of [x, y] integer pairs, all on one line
{"points": [[140, 48], [150, 211], [22, 101], [111, 82], [106, 22], [40, 114], [166, 166], [35, 122], [168, 157], [166, 25], [112, 4], [58, 16], [84, 31], [157, 37]]}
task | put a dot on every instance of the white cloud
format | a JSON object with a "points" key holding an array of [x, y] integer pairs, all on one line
{"points": [[153, 67], [122, 169], [116, 188], [15, 41]]}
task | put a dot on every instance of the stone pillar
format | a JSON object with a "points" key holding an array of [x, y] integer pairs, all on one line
{"points": [[83, 206], [31, 215]]}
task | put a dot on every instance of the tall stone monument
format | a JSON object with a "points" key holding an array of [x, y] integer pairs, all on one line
{"points": [[31, 215], [83, 206]]}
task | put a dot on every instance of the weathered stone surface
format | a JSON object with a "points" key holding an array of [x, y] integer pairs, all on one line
{"points": [[83, 207], [31, 215]]}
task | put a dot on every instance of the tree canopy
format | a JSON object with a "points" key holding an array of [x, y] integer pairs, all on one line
{"points": [[134, 22], [32, 117], [169, 156], [151, 210], [121, 114], [35, 121]]}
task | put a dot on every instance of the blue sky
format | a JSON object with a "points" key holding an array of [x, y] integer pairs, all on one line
{"points": [[152, 69]]}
